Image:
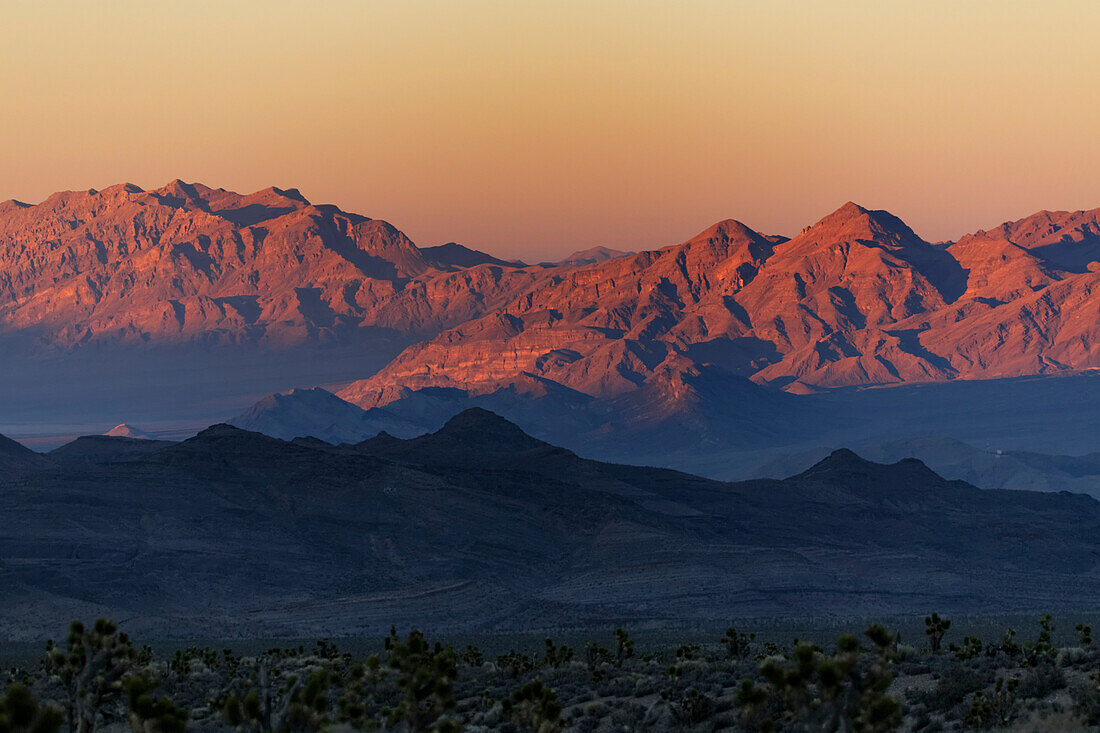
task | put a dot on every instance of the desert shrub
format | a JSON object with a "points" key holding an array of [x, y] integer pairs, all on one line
{"points": [[1072, 656], [628, 715], [616, 686], [971, 647], [595, 709], [21, 712], [1086, 699], [149, 713], [954, 683], [692, 707], [994, 709], [1043, 678], [534, 707]]}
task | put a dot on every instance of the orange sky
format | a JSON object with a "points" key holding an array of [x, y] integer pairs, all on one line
{"points": [[535, 128]]}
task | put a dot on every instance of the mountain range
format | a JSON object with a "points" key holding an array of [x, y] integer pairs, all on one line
{"points": [[479, 526], [692, 343]]}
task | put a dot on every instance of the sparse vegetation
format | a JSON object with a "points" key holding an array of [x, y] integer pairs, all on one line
{"points": [[935, 627], [100, 680]]}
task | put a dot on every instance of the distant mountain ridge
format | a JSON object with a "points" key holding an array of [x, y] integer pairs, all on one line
{"points": [[186, 263], [592, 255], [857, 298], [480, 527]]}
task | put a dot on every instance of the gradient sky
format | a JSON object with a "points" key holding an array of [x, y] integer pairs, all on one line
{"points": [[534, 128]]}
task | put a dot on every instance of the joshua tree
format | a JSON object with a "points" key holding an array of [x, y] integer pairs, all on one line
{"points": [[556, 656], [358, 693], [92, 669], [1046, 634], [994, 709], [263, 707], [843, 692], [1084, 634], [624, 646], [737, 644], [687, 651], [935, 627], [534, 707], [426, 674], [150, 714], [595, 655], [752, 700], [21, 712], [971, 647], [472, 656], [515, 661]]}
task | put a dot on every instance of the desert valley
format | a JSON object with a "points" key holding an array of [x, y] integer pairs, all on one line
{"points": [[456, 442], [601, 367]]}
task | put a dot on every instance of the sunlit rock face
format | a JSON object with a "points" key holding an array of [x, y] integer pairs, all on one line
{"points": [[186, 263], [855, 299]]}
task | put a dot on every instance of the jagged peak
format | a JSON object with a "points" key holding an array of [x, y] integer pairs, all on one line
{"points": [[852, 222], [123, 430], [1045, 226], [729, 229], [850, 209], [853, 212], [288, 193]]}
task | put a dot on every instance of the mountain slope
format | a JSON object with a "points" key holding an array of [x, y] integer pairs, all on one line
{"points": [[105, 449], [452, 255], [857, 298], [319, 414], [187, 263], [479, 526], [592, 255], [16, 459], [1011, 469]]}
